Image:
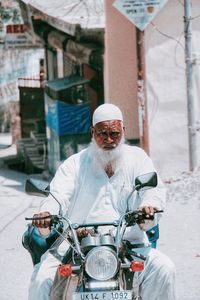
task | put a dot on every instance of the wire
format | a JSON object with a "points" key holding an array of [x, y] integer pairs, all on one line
{"points": [[156, 100], [181, 2], [172, 38], [166, 35], [72, 8], [176, 47], [196, 17], [98, 7]]}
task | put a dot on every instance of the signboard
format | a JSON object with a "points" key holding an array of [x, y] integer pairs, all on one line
{"points": [[14, 33], [15, 64], [20, 40], [139, 12]]}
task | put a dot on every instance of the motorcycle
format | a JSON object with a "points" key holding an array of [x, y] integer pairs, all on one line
{"points": [[98, 266]]}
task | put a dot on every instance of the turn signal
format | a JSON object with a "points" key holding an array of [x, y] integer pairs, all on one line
{"points": [[65, 270], [137, 266]]}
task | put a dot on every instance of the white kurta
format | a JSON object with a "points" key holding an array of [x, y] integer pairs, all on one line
{"points": [[87, 194]]}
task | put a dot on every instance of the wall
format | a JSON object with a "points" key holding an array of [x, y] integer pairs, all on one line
{"points": [[166, 88]]}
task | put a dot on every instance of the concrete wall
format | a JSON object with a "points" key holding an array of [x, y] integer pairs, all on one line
{"points": [[166, 87], [120, 71]]}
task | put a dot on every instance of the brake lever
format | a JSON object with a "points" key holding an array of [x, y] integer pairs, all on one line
{"points": [[135, 217]]}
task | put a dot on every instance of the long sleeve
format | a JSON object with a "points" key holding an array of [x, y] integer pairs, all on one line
{"points": [[139, 163], [155, 197], [62, 187]]}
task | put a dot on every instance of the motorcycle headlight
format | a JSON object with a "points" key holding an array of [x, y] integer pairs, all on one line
{"points": [[101, 263]]}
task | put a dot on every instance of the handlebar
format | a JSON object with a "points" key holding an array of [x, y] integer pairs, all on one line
{"points": [[57, 219], [128, 219], [131, 218]]}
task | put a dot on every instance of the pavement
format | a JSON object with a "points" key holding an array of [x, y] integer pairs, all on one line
{"points": [[179, 237], [180, 234], [15, 205]]}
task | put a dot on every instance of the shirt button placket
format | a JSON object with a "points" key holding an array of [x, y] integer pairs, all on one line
{"points": [[107, 194]]}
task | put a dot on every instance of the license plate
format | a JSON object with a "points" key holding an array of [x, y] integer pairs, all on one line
{"points": [[108, 295]]}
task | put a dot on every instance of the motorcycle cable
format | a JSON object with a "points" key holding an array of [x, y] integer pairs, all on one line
{"points": [[56, 219]]}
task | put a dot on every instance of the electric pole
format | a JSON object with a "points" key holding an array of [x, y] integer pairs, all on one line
{"points": [[192, 133], [141, 85]]}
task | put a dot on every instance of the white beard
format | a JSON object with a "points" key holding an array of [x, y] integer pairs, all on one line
{"points": [[101, 158]]}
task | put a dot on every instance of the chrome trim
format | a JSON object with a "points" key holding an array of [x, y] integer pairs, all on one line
{"points": [[105, 285]]}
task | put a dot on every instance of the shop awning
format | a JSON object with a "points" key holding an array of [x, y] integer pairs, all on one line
{"points": [[70, 16], [78, 51]]}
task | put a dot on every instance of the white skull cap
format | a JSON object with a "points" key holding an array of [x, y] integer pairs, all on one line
{"points": [[106, 112]]}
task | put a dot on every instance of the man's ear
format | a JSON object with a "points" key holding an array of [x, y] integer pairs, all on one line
{"points": [[92, 130]]}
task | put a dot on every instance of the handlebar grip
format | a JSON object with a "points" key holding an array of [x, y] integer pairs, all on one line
{"points": [[138, 217], [54, 219], [39, 218], [159, 211]]}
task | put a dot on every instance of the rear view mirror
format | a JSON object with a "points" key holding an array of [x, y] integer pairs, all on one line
{"points": [[37, 187], [146, 181]]}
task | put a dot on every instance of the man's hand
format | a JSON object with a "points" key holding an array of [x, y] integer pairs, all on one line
{"points": [[42, 223], [149, 212], [83, 232]]}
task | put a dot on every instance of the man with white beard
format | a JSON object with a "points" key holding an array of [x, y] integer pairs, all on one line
{"points": [[94, 185]]}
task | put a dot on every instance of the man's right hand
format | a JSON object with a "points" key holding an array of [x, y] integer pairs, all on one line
{"points": [[42, 223]]}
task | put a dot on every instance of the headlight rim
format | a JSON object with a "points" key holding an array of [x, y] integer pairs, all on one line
{"points": [[104, 248]]}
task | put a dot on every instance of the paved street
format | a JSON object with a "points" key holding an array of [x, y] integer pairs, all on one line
{"points": [[180, 237], [15, 205], [15, 262]]}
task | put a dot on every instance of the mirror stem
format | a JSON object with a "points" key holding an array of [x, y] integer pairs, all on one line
{"points": [[57, 202]]}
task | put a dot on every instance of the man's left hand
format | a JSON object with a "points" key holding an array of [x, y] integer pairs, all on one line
{"points": [[149, 212], [83, 232]]}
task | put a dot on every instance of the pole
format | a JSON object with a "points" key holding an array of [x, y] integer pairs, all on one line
{"points": [[141, 86], [189, 78]]}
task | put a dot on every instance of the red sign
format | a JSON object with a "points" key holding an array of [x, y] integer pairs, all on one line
{"points": [[15, 28]]}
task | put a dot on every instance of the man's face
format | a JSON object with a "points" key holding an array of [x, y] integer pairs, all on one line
{"points": [[108, 134]]}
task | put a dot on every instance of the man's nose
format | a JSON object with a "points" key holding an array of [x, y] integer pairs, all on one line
{"points": [[109, 139]]}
